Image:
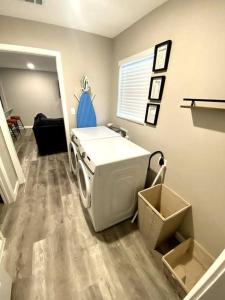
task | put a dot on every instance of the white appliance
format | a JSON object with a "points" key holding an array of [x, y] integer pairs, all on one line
{"points": [[85, 134], [110, 173]]}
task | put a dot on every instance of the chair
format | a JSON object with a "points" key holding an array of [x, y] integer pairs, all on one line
{"points": [[12, 128], [18, 119], [15, 123], [49, 134]]}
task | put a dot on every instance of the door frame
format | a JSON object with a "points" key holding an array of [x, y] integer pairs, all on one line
{"points": [[207, 281], [10, 146], [3, 123], [7, 192], [2, 95]]}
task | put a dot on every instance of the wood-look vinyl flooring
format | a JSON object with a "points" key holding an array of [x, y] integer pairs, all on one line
{"points": [[52, 252]]}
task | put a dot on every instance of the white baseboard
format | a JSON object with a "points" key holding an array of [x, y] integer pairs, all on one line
{"points": [[28, 126]]}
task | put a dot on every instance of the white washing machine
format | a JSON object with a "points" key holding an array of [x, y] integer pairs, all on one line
{"points": [[85, 134], [110, 174]]}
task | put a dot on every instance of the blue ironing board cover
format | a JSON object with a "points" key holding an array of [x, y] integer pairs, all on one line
{"points": [[85, 113]]}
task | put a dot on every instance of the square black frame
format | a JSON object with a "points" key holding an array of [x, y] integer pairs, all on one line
{"points": [[169, 45], [161, 87], [156, 114]]}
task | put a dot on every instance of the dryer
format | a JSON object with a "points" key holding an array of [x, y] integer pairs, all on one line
{"points": [[110, 174], [85, 134]]}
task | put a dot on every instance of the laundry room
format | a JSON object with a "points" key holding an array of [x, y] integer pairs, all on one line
{"points": [[117, 192]]}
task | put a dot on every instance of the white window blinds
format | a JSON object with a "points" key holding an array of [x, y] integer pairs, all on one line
{"points": [[134, 79]]}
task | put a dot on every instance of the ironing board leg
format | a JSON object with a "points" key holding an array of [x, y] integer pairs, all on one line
{"points": [[154, 182], [134, 217]]}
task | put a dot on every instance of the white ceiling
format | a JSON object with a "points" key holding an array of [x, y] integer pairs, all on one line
{"points": [[19, 61], [104, 17]]}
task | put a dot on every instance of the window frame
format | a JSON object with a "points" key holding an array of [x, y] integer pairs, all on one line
{"points": [[128, 60]]}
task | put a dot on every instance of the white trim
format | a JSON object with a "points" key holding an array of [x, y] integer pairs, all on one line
{"points": [[26, 50], [118, 97], [5, 184], [214, 273], [2, 193], [10, 146], [127, 60], [4, 126], [130, 120], [28, 126], [2, 94], [63, 97], [137, 56], [2, 246], [16, 190]]}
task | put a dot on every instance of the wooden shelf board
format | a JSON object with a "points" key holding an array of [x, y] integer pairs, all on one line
{"points": [[202, 107]]}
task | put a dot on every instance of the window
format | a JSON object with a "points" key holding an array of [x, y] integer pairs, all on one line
{"points": [[134, 79]]}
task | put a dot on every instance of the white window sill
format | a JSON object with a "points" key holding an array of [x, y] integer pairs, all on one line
{"points": [[131, 120]]}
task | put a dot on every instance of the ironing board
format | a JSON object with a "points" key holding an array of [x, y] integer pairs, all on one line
{"points": [[85, 113]]}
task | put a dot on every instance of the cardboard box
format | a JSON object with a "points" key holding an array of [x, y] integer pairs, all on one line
{"points": [[160, 213], [186, 264]]}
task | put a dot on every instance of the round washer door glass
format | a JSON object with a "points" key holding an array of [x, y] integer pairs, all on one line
{"points": [[73, 152], [84, 184]]}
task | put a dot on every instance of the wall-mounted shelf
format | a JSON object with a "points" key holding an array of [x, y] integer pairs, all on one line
{"points": [[194, 100]]}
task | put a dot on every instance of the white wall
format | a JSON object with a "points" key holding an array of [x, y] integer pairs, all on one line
{"points": [[31, 92]]}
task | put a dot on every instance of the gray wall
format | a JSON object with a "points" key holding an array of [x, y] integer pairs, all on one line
{"points": [[31, 92], [82, 53], [193, 140]]}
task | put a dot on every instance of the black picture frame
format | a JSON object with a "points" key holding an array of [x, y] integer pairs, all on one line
{"points": [[155, 118], [161, 88], [166, 47]]}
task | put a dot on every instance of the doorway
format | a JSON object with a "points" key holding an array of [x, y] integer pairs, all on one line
{"points": [[42, 54]]}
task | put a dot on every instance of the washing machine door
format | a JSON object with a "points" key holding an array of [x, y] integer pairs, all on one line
{"points": [[74, 159], [84, 184]]}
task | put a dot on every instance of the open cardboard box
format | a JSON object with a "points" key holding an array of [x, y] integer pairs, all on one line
{"points": [[186, 264], [160, 213]]}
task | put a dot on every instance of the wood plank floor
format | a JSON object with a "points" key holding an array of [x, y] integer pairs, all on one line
{"points": [[52, 252]]}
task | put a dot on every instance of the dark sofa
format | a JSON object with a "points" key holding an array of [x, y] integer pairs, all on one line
{"points": [[49, 134]]}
